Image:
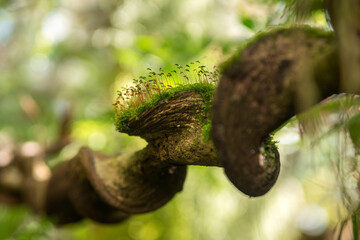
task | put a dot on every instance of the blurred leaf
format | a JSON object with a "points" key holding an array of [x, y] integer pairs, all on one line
{"points": [[248, 22], [354, 129], [356, 223], [146, 43], [302, 9]]}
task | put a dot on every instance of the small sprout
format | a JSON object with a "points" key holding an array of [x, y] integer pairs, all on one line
{"points": [[144, 88]]}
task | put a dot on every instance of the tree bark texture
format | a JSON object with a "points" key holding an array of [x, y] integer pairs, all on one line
{"points": [[274, 77], [265, 84]]}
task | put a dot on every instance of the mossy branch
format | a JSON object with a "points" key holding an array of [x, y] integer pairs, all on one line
{"points": [[277, 75], [109, 189], [260, 89]]}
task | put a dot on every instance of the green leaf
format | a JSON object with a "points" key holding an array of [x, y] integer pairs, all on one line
{"points": [[354, 129]]}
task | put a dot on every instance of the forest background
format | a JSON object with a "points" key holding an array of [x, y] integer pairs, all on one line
{"points": [[61, 55]]}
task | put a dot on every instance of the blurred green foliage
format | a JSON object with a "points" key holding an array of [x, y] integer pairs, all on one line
{"points": [[65, 54], [304, 8]]}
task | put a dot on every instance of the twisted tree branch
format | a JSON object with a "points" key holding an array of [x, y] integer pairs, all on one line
{"points": [[109, 189], [260, 90]]}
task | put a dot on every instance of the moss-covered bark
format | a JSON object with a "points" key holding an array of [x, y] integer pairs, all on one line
{"points": [[109, 189], [275, 76]]}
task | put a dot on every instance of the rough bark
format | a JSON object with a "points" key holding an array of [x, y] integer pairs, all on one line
{"points": [[110, 189], [277, 75], [260, 89]]}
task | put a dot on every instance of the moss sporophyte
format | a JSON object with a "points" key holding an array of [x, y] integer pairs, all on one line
{"points": [[147, 91]]}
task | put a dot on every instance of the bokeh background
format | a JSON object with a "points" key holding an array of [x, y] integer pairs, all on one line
{"points": [[57, 55]]}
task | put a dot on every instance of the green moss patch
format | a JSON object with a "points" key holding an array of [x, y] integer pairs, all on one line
{"points": [[206, 90]]}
